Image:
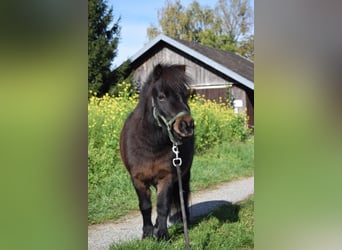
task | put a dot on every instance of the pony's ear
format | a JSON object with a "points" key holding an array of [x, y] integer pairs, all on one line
{"points": [[157, 71]]}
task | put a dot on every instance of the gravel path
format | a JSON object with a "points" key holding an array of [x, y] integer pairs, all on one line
{"points": [[101, 236]]}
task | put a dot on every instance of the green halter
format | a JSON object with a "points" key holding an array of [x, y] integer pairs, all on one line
{"points": [[167, 123]]}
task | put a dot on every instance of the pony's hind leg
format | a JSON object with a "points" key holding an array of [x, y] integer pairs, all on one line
{"points": [[144, 195], [164, 192]]}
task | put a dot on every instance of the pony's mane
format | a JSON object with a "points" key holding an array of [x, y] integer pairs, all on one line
{"points": [[171, 77]]}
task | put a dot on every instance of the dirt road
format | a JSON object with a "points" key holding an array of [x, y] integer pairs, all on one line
{"points": [[101, 236]]}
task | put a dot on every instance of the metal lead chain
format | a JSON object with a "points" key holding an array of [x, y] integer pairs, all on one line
{"points": [[177, 162]]}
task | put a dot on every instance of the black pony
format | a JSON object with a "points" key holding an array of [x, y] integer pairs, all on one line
{"points": [[160, 120]]}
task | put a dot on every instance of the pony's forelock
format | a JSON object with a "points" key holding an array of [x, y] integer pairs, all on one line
{"points": [[169, 76]]}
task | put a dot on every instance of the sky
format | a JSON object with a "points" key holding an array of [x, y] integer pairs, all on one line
{"points": [[136, 17]]}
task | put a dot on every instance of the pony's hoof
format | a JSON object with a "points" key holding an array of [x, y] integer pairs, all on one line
{"points": [[148, 231], [163, 235]]}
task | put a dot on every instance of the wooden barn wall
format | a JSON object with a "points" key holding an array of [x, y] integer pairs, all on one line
{"points": [[213, 94], [198, 73], [239, 94], [250, 108]]}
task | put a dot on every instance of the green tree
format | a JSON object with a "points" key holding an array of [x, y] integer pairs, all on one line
{"points": [[103, 38], [184, 23], [236, 17], [225, 27], [246, 47]]}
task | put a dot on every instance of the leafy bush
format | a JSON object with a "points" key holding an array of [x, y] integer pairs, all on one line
{"points": [[107, 177], [123, 89], [215, 122]]}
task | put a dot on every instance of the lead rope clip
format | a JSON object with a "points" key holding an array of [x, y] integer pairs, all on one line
{"points": [[177, 161]]}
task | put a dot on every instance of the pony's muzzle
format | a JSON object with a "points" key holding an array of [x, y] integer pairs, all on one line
{"points": [[184, 126]]}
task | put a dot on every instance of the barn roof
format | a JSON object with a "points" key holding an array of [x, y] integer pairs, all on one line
{"points": [[228, 63]]}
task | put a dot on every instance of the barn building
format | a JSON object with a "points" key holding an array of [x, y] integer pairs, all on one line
{"points": [[215, 73]]}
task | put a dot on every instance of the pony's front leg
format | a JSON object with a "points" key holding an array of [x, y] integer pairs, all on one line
{"points": [[144, 195], [164, 193], [186, 193]]}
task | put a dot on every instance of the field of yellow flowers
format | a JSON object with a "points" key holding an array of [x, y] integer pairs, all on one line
{"points": [[214, 123]]}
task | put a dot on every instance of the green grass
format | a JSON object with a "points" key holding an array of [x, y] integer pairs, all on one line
{"points": [[228, 227], [111, 199], [222, 163]]}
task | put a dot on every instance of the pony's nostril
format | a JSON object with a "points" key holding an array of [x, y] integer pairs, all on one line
{"points": [[187, 126], [184, 126]]}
